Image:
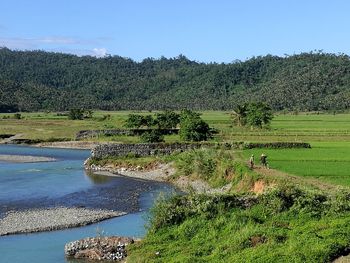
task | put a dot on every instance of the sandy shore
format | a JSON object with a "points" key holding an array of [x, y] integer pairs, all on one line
{"points": [[37, 220], [25, 158]]}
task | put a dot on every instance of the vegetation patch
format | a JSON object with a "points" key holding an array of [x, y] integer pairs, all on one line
{"points": [[218, 167], [284, 225]]}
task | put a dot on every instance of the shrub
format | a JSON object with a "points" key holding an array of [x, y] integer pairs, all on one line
{"points": [[152, 136], [167, 120], [216, 167], [136, 121], [17, 116], [76, 114]]}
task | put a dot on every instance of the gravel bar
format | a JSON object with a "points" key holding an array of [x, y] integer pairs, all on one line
{"points": [[25, 158], [37, 220]]}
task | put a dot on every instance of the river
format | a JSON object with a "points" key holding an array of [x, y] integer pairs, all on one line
{"points": [[64, 182]]}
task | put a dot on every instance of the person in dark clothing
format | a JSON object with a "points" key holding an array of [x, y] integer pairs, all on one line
{"points": [[263, 160]]}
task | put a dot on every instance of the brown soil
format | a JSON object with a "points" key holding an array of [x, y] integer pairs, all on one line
{"points": [[259, 187]]}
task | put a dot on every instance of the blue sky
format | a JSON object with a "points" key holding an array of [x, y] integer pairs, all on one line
{"points": [[202, 30]]}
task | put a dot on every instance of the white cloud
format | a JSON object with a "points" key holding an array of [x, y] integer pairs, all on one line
{"points": [[99, 52]]}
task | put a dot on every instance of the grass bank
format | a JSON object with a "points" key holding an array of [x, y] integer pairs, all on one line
{"points": [[284, 225]]}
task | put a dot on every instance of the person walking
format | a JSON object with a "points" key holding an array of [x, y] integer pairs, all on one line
{"points": [[263, 160], [251, 162]]}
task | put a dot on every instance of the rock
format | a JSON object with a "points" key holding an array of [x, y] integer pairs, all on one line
{"points": [[99, 248]]}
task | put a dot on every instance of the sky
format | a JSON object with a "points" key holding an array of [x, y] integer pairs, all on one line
{"points": [[202, 30]]}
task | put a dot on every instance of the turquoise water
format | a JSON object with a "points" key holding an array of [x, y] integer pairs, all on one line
{"points": [[65, 183]]}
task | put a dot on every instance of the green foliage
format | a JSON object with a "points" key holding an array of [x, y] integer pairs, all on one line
{"points": [[17, 116], [76, 114], [53, 81], [239, 114], [152, 136], [259, 114], [137, 121], [285, 225], [192, 127], [79, 114], [217, 167], [167, 119], [253, 114]]}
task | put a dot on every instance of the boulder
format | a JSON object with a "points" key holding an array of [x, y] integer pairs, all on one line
{"points": [[99, 248]]}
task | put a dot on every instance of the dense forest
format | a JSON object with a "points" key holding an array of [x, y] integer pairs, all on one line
{"points": [[38, 80]]}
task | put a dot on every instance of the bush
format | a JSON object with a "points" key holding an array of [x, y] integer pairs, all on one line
{"points": [[79, 114], [213, 166], [136, 121], [76, 114], [152, 136], [17, 116], [167, 120]]}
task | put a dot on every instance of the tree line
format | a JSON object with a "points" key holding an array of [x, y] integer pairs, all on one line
{"points": [[38, 80]]}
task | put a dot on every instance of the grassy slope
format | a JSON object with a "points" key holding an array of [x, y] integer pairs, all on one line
{"points": [[284, 226]]}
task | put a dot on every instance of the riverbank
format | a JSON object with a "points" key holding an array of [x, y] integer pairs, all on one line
{"points": [[37, 220], [161, 173]]}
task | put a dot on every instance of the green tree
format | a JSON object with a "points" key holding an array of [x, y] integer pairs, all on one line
{"points": [[167, 120], [137, 121], [259, 114], [192, 127]]}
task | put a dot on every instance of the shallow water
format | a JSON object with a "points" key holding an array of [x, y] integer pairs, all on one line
{"points": [[65, 183]]}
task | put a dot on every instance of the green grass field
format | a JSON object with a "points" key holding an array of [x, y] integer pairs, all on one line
{"points": [[326, 161]]}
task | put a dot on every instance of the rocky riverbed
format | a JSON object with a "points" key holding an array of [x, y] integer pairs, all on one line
{"points": [[36, 220]]}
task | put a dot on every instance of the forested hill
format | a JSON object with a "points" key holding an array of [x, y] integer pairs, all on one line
{"points": [[37, 80]]}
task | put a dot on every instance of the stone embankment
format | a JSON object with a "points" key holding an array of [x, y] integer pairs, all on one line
{"points": [[99, 248], [37, 220]]}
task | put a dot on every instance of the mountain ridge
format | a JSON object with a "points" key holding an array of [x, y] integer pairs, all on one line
{"points": [[39, 80]]}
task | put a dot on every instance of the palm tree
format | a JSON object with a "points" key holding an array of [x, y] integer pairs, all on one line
{"points": [[239, 115]]}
